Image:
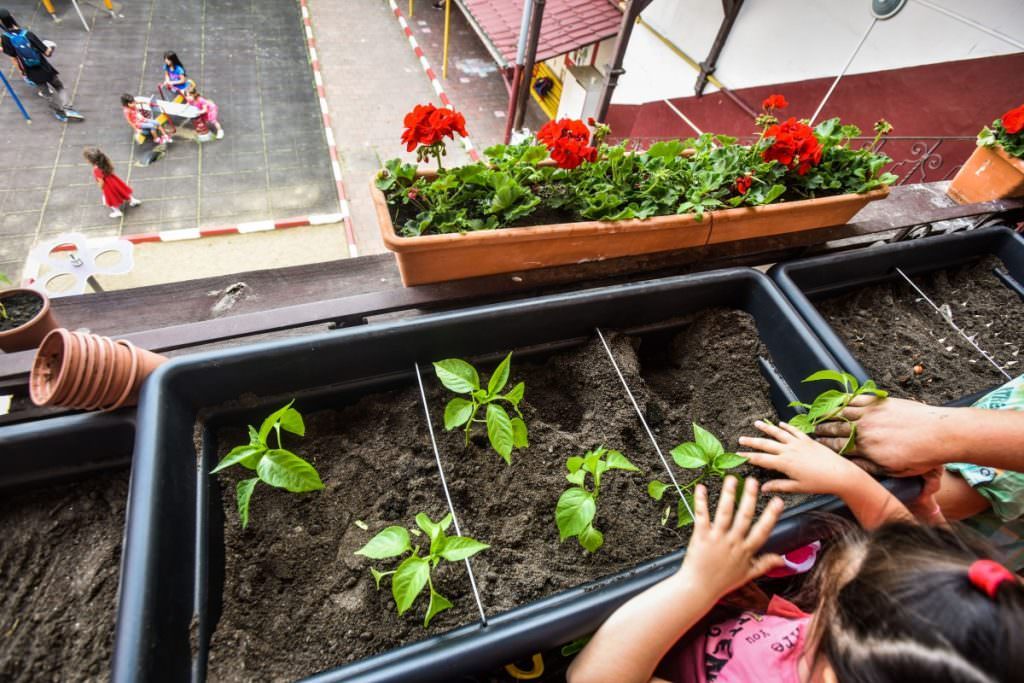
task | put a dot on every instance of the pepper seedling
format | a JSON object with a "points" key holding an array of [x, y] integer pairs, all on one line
{"points": [[504, 432], [829, 405], [275, 466], [577, 506], [708, 458], [413, 573], [3, 311]]}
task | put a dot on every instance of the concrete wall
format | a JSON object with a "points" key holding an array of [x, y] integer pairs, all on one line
{"points": [[780, 41]]}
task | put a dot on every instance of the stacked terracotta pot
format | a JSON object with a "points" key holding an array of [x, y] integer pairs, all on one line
{"points": [[89, 372]]}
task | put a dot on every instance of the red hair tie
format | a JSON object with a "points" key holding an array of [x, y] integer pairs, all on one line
{"points": [[987, 576]]}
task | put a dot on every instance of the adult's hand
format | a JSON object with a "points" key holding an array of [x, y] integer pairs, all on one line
{"points": [[894, 436]]}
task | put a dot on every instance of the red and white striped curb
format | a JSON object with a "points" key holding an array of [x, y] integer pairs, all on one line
{"points": [[332, 146], [432, 75]]}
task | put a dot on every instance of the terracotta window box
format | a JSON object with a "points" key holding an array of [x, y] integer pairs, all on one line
{"points": [[988, 174]]}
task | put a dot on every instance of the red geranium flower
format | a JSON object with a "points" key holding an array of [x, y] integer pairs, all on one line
{"points": [[775, 102], [795, 145], [427, 125], [743, 183], [447, 122], [567, 140], [1013, 120]]}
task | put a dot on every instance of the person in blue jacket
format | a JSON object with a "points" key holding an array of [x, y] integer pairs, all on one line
{"points": [[30, 54]]}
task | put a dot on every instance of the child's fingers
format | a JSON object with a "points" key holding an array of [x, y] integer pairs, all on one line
{"points": [[763, 564], [772, 431], [700, 509], [745, 512], [726, 506], [783, 486], [762, 528], [794, 432], [766, 445]]}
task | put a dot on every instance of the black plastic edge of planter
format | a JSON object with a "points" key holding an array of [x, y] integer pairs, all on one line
{"points": [[804, 280], [65, 448], [164, 529]]}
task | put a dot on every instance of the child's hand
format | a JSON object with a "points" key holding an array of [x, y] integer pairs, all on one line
{"points": [[723, 554], [810, 466]]}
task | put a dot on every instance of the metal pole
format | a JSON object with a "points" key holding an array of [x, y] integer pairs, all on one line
{"points": [[853, 55], [74, 3], [531, 57], [615, 69], [28, 119], [410, 8], [447, 32], [517, 71]]}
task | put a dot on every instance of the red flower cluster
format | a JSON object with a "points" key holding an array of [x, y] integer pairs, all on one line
{"points": [[743, 183], [1013, 120], [567, 140], [795, 145], [428, 125], [774, 102]]}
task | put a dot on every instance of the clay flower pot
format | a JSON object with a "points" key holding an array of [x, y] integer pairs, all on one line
{"points": [[439, 258], [990, 173], [88, 371], [31, 332]]}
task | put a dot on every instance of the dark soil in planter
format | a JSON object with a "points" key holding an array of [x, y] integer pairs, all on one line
{"points": [[296, 599], [59, 564], [574, 401], [20, 309], [292, 578], [890, 330]]}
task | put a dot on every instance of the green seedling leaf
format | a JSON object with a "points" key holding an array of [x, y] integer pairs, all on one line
{"points": [[575, 646], [429, 528], [827, 375], [578, 477], [457, 375], [240, 455], [391, 542], [802, 422], [500, 377], [707, 442], [288, 471], [727, 461], [656, 489], [617, 461], [519, 436], [682, 512], [457, 413], [408, 581], [291, 421], [254, 437], [243, 492], [278, 416], [574, 512], [499, 431], [377, 576], [438, 603], [574, 463], [848, 446], [689, 456], [515, 395], [591, 539], [826, 405], [460, 547]]}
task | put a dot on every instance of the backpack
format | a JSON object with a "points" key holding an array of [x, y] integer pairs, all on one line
{"points": [[28, 55]]}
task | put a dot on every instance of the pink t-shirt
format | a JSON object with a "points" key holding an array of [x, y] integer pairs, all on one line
{"points": [[750, 647]]}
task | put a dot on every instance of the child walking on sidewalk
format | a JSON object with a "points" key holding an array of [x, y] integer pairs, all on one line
{"points": [[115, 191], [207, 109]]}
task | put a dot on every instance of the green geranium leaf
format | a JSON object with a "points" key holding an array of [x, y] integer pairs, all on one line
{"points": [[408, 581], [243, 492], [457, 375], [288, 471], [574, 512], [500, 377], [499, 431], [457, 413], [391, 542]]}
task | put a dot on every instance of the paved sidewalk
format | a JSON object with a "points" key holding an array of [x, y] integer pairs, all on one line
{"points": [[248, 56], [373, 78]]}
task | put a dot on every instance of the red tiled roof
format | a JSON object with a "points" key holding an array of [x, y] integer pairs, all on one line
{"points": [[567, 25]]}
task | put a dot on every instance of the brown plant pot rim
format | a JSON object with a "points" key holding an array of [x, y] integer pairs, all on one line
{"points": [[46, 312]]}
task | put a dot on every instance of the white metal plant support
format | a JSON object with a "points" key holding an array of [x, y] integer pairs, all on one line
{"points": [[447, 495]]}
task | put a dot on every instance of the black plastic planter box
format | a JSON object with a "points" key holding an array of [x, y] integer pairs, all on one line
{"points": [[806, 280], [174, 552]]}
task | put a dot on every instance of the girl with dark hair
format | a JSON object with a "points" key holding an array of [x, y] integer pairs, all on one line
{"points": [[899, 603], [174, 73], [116, 192]]}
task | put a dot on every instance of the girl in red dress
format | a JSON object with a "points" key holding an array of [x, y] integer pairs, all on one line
{"points": [[115, 191]]}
